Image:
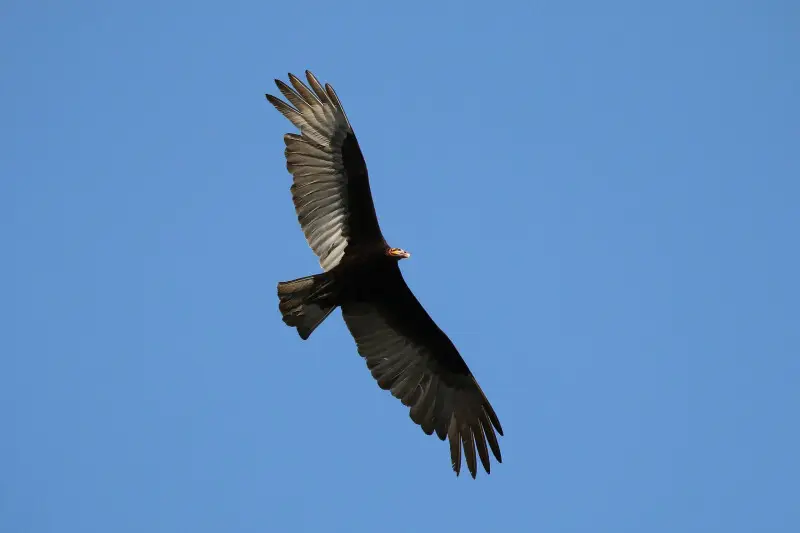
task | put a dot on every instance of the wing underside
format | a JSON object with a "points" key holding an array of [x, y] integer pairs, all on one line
{"points": [[411, 357]]}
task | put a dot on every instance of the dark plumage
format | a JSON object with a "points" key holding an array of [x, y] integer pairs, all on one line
{"points": [[403, 347]]}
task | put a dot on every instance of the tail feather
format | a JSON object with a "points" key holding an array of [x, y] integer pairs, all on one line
{"points": [[306, 302]]}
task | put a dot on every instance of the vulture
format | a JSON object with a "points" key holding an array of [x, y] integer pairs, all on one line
{"points": [[402, 346]]}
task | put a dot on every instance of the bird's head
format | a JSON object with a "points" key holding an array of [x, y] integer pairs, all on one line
{"points": [[397, 253]]}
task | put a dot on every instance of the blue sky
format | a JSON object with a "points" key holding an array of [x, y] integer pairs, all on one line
{"points": [[601, 203]]}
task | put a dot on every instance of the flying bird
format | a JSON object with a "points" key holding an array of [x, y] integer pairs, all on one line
{"points": [[404, 349]]}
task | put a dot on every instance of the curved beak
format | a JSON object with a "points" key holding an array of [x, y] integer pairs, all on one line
{"points": [[402, 254]]}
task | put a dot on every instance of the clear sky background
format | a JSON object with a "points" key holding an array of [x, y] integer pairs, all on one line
{"points": [[602, 202]]}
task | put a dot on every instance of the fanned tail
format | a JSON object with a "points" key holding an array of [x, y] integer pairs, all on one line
{"points": [[306, 302]]}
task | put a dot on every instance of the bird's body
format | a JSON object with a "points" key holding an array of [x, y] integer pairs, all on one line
{"points": [[404, 349]]}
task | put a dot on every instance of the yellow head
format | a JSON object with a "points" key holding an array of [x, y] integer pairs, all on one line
{"points": [[398, 253]]}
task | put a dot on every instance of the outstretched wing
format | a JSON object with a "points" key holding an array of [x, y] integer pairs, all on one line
{"points": [[331, 187], [410, 356]]}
